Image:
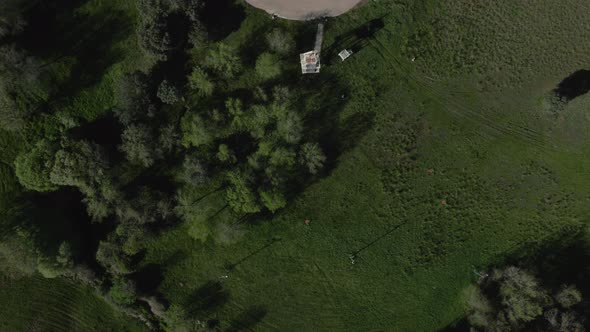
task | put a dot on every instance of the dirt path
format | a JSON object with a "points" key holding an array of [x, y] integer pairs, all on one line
{"points": [[304, 9]]}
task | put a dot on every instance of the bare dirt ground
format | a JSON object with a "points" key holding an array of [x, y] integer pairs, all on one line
{"points": [[304, 9]]}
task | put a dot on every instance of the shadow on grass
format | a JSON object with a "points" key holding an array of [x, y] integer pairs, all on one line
{"points": [[247, 320], [206, 299]]}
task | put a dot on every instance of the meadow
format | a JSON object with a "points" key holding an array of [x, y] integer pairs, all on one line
{"points": [[449, 158], [456, 166]]}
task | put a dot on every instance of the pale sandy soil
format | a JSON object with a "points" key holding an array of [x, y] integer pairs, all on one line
{"points": [[304, 9]]}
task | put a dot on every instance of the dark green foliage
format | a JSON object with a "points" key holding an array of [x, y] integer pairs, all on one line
{"points": [[33, 167], [312, 157], [168, 93], [139, 145], [123, 292], [280, 41]]}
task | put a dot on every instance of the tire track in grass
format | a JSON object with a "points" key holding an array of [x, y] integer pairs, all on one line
{"points": [[441, 97]]}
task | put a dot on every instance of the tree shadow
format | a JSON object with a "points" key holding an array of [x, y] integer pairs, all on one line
{"points": [[58, 30], [574, 86], [222, 17], [354, 40], [248, 319], [149, 278], [206, 299]]}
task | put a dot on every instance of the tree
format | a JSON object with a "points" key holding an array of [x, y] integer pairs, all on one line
{"points": [[123, 292], [280, 41], [268, 66], [521, 295], [80, 164], [138, 145], [193, 172], [568, 296], [33, 167], [513, 299], [239, 194], [111, 256], [195, 132], [312, 157], [11, 20], [290, 127], [272, 199], [199, 81], [226, 154], [152, 31], [168, 93], [65, 255], [131, 96], [224, 61]]}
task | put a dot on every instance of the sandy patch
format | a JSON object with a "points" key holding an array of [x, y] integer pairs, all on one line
{"points": [[305, 9]]}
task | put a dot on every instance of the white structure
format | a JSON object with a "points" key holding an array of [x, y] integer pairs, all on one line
{"points": [[345, 54], [310, 61]]}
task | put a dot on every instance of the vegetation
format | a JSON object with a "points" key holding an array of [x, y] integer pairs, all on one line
{"points": [[162, 160]]}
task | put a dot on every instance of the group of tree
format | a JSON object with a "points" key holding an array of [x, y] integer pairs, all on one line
{"points": [[514, 299], [193, 128]]}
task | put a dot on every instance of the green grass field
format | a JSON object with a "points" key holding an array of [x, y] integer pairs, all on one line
{"points": [[36, 304], [449, 164], [456, 166]]}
